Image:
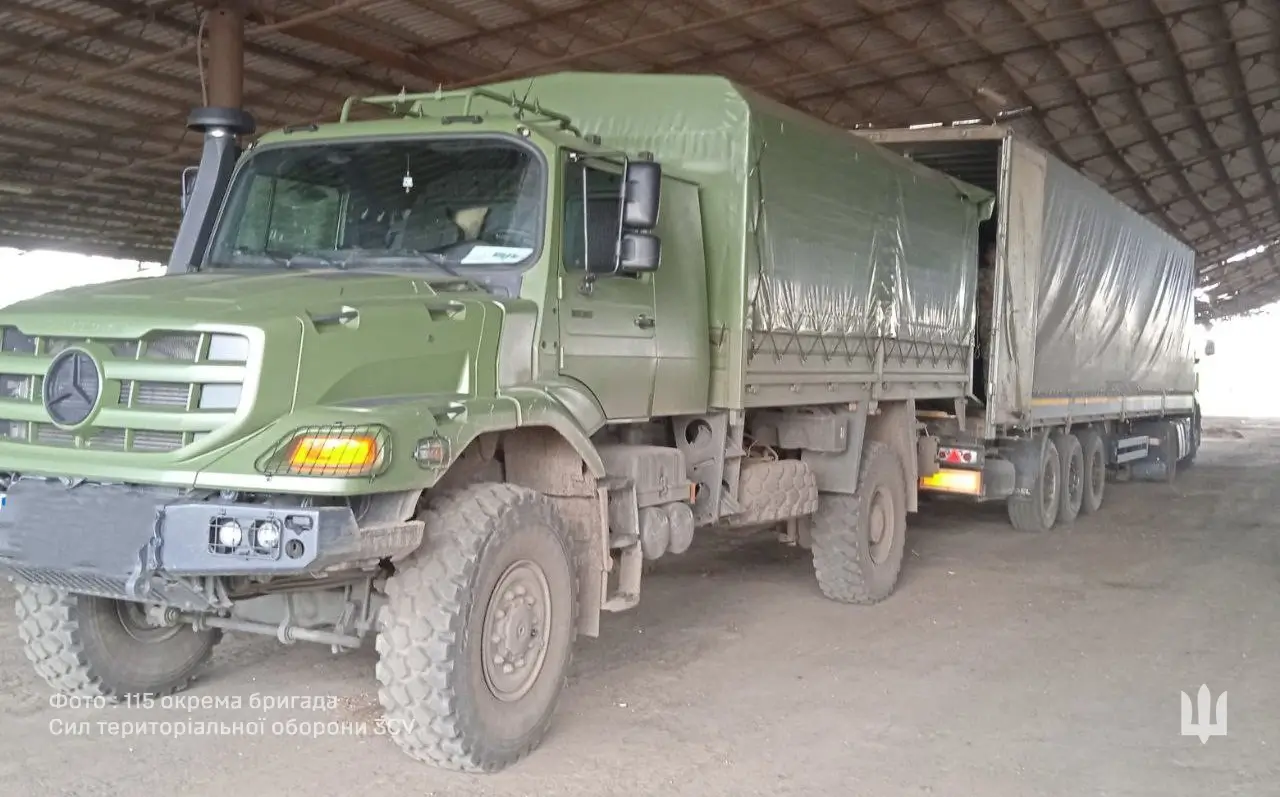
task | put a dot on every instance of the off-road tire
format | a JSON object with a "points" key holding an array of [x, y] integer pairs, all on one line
{"points": [[1072, 456], [1095, 471], [841, 532], [432, 681], [81, 646], [1039, 511], [773, 491]]}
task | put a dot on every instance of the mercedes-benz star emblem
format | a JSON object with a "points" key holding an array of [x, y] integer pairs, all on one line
{"points": [[71, 387]]}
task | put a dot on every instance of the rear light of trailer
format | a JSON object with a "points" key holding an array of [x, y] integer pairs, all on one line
{"points": [[949, 480], [959, 457]]}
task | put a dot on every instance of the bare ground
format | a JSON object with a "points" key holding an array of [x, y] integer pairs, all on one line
{"points": [[1006, 664]]}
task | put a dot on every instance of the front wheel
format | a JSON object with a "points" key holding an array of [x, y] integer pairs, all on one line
{"points": [[97, 647], [478, 629]]}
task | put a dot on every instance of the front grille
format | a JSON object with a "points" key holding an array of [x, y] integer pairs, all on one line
{"points": [[14, 386], [122, 425], [155, 394], [13, 341], [49, 435], [157, 442], [185, 348]]}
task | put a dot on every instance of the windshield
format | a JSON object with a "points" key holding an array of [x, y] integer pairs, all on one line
{"points": [[452, 204]]}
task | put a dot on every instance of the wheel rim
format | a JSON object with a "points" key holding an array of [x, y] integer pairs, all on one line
{"points": [[1097, 472], [133, 618], [1049, 491], [516, 624], [1075, 478], [880, 528]]}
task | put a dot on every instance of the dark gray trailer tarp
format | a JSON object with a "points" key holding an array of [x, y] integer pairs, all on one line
{"points": [[1115, 305]]}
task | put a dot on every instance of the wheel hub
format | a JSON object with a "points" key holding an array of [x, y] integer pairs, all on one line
{"points": [[1049, 492], [515, 626], [142, 625], [880, 526]]}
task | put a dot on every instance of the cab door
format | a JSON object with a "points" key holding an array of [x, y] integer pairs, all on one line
{"points": [[608, 338]]}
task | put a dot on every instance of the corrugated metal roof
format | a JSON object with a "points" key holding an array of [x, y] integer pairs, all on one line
{"points": [[1173, 105]]}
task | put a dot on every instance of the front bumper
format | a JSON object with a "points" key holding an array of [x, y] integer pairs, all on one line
{"points": [[144, 543]]}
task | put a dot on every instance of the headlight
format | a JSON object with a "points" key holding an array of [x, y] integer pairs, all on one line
{"points": [[266, 535], [230, 535], [329, 451]]}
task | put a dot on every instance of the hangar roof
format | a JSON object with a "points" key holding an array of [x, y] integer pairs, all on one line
{"points": [[1169, 104]]}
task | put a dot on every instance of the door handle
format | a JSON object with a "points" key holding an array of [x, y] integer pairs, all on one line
{"points": [[645, 321]]}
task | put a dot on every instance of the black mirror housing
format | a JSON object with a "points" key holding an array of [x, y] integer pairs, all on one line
{"points": [[1209, 348], [642, 191], [640, 252]]}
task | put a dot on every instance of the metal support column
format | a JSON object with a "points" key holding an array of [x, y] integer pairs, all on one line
{"points": [[220, 122]]}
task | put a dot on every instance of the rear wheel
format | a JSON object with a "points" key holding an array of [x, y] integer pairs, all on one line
{"points": [[1095, 471], [1072, 472], [1194, 442], [98, 647], [478, 629], [858, 540], [1170, 452], [1039, 510]]}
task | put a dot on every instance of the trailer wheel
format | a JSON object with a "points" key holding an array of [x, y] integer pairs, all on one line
{"points": [[1194, 442], [1072, 476], [478, 628], [858, 540], [1170, 452], [1039, 510], [1095, 471]]}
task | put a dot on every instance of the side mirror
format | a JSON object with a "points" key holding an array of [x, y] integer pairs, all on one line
{"points": [[641, 192], [640, 252], [1208, 348], [188, 185]]}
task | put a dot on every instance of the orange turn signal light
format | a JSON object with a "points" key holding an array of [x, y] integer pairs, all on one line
{"points": [[950, 480], [333, 454]]}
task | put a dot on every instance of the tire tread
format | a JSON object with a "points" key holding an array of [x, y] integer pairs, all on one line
{"points": [[423, 623], [49, 626], [838, 550]]}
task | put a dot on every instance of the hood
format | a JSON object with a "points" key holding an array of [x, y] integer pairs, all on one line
{"points": [[240, 296], [349, 342]]}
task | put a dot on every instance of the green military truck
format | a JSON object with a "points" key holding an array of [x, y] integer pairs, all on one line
{"points": [[451, 369]]}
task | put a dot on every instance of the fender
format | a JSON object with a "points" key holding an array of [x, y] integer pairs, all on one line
{"points": [[567, 408], [1026, 456]]}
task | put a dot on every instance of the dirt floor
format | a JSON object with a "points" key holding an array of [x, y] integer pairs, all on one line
{"points": [[1006, 664]]}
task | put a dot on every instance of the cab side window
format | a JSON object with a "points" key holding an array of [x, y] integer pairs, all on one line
{"points": [[593, 237]]}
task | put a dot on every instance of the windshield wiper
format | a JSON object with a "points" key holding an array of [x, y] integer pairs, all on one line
{"points": [[287, 259], [434, 258]]}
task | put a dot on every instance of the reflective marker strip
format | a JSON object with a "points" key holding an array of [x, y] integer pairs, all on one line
{"points": [[946, 480]]}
